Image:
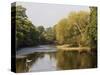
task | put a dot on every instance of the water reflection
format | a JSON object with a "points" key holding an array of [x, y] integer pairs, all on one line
{"points": [[60, 60], [75, 60], [37, 57]]}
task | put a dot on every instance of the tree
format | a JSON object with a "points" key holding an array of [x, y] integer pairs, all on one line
{"points": [[72, 30], [49, 35], [41, 31], [79, 22], [60, 30], [92, 29], [24, 28]]}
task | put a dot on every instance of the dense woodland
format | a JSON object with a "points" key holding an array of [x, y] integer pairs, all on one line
{"points": [[78, 29]]}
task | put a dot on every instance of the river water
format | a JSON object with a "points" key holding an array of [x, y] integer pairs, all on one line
{"points": [[48, 58]]}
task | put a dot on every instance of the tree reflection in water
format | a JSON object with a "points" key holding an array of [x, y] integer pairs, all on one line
{"points": [[60, 60], [75, 60], [23, 66]]}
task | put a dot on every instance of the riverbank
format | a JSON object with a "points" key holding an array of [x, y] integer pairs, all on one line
{"points": [[68, 48]]}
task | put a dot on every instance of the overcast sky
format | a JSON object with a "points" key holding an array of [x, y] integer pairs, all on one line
{"points": [[48, 14]]}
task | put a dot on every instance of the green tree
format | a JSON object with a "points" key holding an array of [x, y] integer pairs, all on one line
{"points": [[49, 35], [26, 33], [92, 29], [41, 31]]}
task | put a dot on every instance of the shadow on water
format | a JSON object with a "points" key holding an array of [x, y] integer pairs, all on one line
{"points": [[62, 60]]}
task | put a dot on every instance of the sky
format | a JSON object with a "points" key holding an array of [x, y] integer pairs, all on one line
{"points": [[48, 15]]}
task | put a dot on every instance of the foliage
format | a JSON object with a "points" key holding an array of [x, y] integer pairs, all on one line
{"points": [[72, 29], [26, 33], [24, 29], [49, 35], [60, 30], [92, 29], [78, 29]]}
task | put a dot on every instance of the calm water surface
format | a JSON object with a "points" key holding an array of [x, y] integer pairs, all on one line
{"points": [[48, 58]]}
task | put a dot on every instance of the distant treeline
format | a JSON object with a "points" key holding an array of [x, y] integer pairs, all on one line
{"points": [[78, 29]]}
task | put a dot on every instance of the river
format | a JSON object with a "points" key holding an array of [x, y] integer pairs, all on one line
{"points": [[48, 58]]}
